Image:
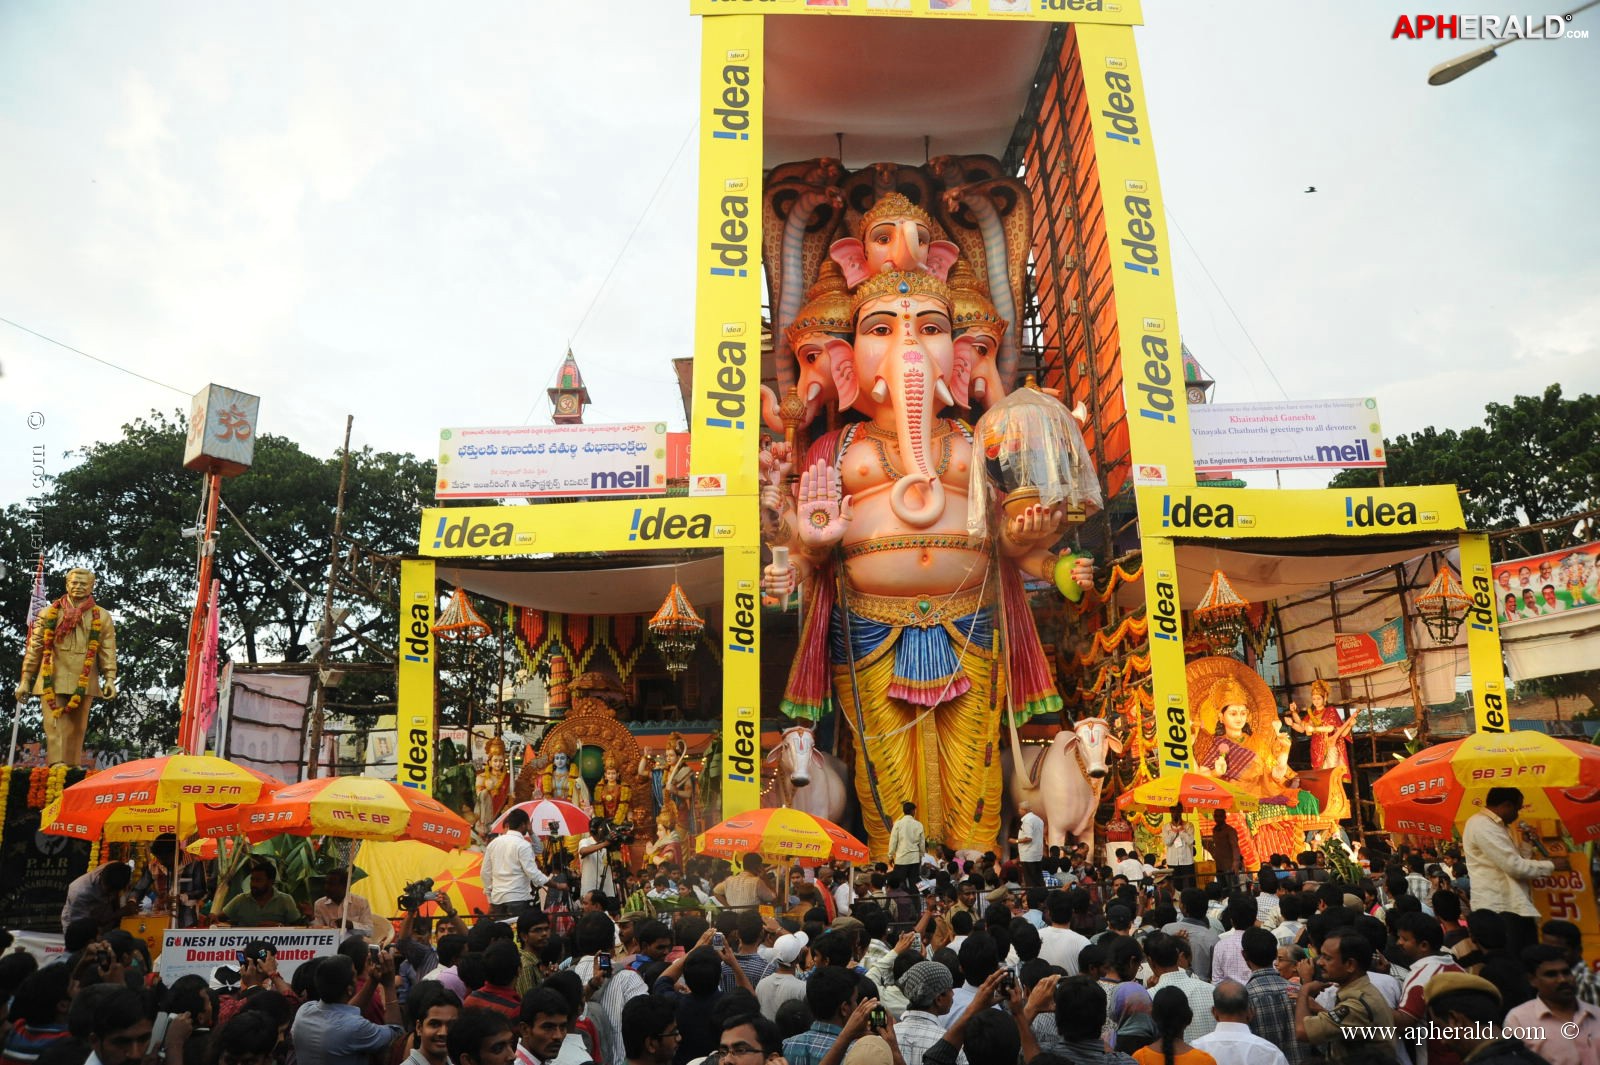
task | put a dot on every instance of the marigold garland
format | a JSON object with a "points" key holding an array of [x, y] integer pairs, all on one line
{"points": [[47, 665], [37, 780], [56, 780], [5, 792], [94, 855]]}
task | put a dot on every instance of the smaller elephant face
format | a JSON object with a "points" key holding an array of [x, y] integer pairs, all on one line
{"points": [[986, 387], [815, 372]]}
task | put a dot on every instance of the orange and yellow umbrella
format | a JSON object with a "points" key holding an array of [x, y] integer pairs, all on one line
{"points": [[126, 824], [182, 794], [1441, 786], [1192, 791], [781, 834], [173, 778], [462, 881], [356, 808]]}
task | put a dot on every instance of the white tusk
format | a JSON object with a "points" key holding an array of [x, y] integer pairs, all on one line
{"points": [[880, 391], [942, 390], [980, 387], [814, 391]]}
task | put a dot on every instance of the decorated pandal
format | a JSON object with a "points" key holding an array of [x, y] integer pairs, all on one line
{"points": [[914, 492]]}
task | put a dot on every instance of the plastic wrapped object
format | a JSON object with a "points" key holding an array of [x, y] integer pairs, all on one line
{"points": [[1029, 450]]}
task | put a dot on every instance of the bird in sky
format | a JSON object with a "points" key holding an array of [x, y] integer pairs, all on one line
{"points": [[1311, 188]]}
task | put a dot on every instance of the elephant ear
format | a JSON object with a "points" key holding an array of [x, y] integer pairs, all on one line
{"points": [[960, 379], [942, 255], [842, 364], [851, 255]]}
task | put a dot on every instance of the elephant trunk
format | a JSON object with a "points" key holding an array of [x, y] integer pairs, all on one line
{"points": [[914, 407]]}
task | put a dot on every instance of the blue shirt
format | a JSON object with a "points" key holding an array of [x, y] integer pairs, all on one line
{"points": [[811, 1045], [336, 1034]]}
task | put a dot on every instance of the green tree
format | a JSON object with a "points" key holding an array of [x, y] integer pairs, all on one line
{"points": [[121, 510], [1533, 460]]}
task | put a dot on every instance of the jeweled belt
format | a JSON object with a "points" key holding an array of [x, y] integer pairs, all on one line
{"points": [[919, 611], [912, 542]]}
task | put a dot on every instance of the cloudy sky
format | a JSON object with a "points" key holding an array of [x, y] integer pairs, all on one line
{"points": [[406, 211]]}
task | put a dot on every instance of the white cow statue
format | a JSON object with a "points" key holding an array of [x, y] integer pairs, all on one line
{"points": [[804, 778], [1062, 780]]}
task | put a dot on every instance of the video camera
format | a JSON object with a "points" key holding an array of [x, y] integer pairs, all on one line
{"points": [[417, 893], [613, 834]]}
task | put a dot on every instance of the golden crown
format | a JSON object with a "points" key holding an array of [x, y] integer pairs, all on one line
{"points": [[895, 205], [899, 283], [495, 746], [1319, 686], [827, 306], [969, 306]]}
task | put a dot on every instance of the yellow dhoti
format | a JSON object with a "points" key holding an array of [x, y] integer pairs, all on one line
{"points": [[944, 758]]}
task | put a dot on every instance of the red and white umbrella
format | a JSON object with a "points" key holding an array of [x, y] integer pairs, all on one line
{"points": [[570, 821]]}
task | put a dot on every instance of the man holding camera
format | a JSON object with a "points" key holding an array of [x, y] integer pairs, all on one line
{"points": [[594, 858], [510, 874]]}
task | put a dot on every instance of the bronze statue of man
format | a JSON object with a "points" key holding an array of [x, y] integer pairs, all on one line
{"points": [[71, 661]]}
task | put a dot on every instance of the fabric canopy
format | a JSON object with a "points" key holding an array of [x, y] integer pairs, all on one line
{"points": [[618, 590], [827, 76]]}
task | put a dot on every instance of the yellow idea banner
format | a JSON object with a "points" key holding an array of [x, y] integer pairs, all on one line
{"points": [[414, 721], [1483, 636], [1141, 258], [741, 680], [1168, 678], [1117, 12], [1230, 513], [593, 525], [726, 408]]}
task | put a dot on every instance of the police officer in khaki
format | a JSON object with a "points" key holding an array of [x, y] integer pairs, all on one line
{"points": [[71, 660]]}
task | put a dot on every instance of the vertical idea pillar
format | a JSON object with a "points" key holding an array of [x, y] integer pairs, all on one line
{"points": [[726, 407], [1483, 637], [1150, 350], [415, 742]]}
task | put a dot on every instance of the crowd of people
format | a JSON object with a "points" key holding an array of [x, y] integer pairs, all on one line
{"points": [[1433, 959]]}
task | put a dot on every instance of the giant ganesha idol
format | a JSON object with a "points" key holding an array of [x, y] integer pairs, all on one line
{"points": [[917, 631]]}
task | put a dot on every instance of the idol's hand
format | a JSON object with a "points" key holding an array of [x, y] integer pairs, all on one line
{"points": [[779, 582], [824, 510], [1036, 525]]}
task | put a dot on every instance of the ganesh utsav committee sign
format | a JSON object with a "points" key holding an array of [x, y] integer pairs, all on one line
{"points": [[533, 461]]}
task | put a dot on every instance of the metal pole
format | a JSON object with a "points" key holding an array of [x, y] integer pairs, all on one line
{"points": [[320, 697]]}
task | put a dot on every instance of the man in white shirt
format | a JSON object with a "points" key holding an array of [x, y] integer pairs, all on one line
{"points": [[783, 983], [594, 863], [1129, 866], [1232, 1042], [1500, 873], [1030, 845], [510, 874], [1059, 944], [1178, 838], [1227, 957], [908, 841]]}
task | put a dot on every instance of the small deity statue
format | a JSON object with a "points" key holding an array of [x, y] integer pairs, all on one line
{"points": [[491, 788], [1330, 733], [655, 767], [561, 779], [612, 798], [669, 842], [70, 661]]}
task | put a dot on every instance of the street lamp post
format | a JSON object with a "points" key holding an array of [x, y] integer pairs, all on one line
{"points": [[1451, 69]]}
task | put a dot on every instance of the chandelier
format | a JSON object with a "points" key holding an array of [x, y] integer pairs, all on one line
{"points": [[1220, 618], [458, 621], [675, 629], [1442, 606]]}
